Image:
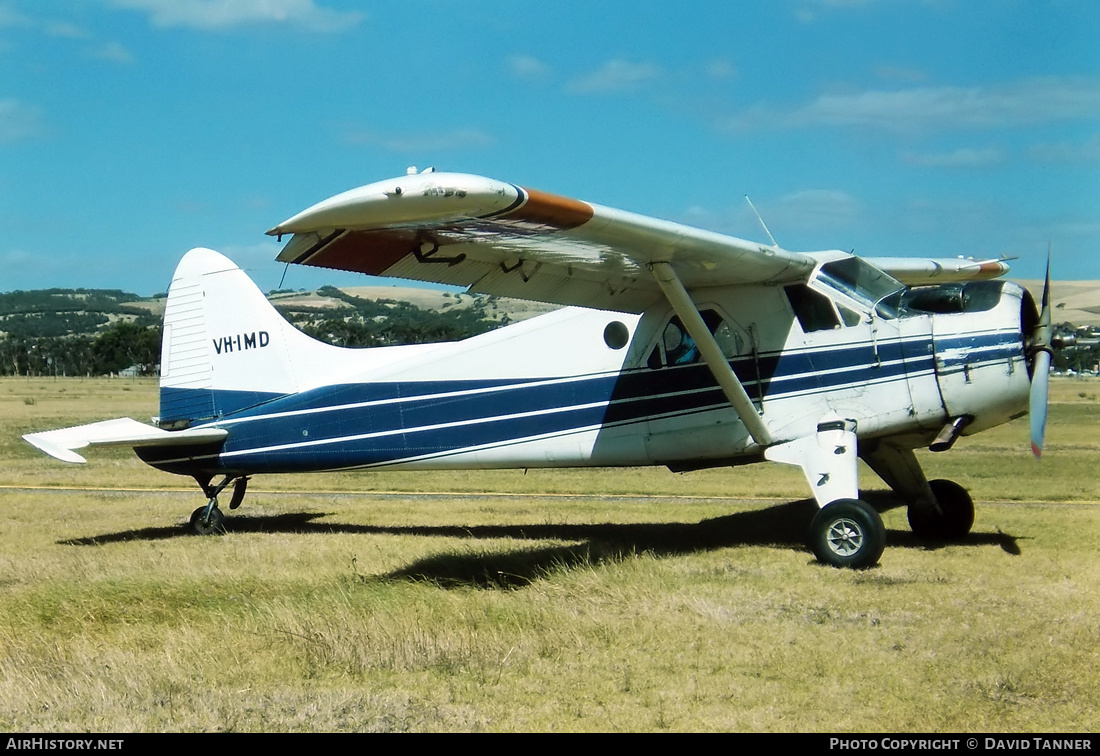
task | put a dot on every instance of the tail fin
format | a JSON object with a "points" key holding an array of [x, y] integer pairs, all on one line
{"points": [[226, 348]]}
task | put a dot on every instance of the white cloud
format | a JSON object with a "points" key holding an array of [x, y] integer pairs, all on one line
{"points": [[616, 75], [807, 12], [814, 209], [721, 70], [964, 157], [528, 68], [901, 74], [226, 14], [18, 258], [1026, 101], [458, 139], [1068, 152], [65, 30], [112, 52], [9, 17], [19, 121]]}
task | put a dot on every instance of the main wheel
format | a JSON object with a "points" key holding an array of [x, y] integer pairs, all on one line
{"points": [[954, 518], [200, 525], [848, 533]]}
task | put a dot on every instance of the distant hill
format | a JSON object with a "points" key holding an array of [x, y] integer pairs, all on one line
{"points": [[1076, 302], [98, 332], [94, 332], [68, 312], [60, 312]]}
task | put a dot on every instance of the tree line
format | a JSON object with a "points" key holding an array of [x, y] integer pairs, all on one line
{"points": [[76, 332], [92, 332], [117, 347], [386, 322]]}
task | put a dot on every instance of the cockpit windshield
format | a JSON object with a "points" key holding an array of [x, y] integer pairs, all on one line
{"points": [[865, 283]]}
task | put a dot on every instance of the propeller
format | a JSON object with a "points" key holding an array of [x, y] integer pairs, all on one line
{"points": [[1041, 347]]}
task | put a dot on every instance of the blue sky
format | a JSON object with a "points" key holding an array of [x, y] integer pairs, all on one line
{"points": [[133, 130]]}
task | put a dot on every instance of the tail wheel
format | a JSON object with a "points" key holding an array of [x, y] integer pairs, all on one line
{"points": [[848, 533], [202, 524], [952, 521]]}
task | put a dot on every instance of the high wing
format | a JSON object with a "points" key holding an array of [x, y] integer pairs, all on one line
{"points": [[502, 239]]}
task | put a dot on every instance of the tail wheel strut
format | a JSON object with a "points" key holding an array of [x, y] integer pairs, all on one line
{"points": [[209, 519]]}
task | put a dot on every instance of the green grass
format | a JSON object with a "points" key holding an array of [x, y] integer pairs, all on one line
{"points": [[634, 600]]}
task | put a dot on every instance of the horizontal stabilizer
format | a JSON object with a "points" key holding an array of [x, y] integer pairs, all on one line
{"points": [[122, 431]]}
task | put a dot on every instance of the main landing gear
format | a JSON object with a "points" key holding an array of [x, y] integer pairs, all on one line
{"points": [[848, 533], [949, 518], [209, 519]]}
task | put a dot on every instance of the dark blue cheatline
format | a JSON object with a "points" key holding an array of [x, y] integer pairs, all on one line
{"points": [[359, 424]]}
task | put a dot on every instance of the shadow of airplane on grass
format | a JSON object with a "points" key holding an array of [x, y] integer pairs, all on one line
{"points": [[781, 526]]}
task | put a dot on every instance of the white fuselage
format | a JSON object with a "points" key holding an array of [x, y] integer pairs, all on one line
{"points": [[583, 387]]}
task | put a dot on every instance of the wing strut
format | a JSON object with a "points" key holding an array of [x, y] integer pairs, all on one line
{"points": [[711, 353]]}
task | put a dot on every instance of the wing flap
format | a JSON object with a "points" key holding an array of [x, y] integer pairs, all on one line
{"points": [[61, 443]]}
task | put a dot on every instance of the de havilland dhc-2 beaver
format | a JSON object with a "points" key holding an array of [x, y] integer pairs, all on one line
{"points": [[675, 346]]}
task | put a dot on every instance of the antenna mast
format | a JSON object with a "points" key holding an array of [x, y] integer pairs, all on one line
{"points": [[766, 231]]}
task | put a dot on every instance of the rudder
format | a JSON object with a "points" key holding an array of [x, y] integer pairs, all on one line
{"points": [[224, 347]]}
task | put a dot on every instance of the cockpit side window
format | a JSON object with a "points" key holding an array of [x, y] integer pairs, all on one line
{"points": [[850, 317], [864, 283], [676, 347], [814, 310]]}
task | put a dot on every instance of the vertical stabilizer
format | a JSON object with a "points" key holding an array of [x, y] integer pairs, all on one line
{"points": [[225, 347]]}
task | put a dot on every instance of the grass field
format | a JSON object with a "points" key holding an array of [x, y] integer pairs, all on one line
{"points": [[585, 600]]}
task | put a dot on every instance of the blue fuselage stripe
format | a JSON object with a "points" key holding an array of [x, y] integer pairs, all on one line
{"points": [[358, 424]]}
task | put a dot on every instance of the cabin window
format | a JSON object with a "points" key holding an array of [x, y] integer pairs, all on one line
{"points": [[814, 310], [850, 317], [676, 347], [616, 334], [865, 283]]}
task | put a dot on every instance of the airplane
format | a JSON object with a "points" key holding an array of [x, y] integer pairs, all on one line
{"points": [[674, 346]]}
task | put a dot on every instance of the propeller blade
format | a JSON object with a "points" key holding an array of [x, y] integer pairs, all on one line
{"points": [[1040, 371], [1038, 403]]}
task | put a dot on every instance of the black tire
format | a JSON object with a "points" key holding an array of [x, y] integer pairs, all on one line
{"points": [[848, 533], [954, 519], [201, 526]]}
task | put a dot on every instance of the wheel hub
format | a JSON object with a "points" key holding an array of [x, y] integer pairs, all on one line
{"points": [[845, 537]]}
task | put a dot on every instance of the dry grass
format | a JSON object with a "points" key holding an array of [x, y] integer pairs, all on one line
{"points": [[633, 600]]}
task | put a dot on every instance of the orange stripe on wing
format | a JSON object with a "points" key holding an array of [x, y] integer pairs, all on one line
{"points": [[993, 269], [551, 211]]}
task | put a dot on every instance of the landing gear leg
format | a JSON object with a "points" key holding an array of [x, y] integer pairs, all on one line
{"points": [[208, 519], [846, 532], [939, 510]]}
